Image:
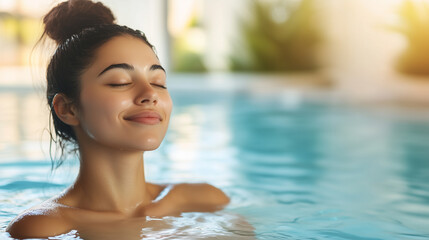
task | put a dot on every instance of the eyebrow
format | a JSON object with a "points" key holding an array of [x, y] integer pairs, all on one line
{"points": [[156, 67], [127, 66]]}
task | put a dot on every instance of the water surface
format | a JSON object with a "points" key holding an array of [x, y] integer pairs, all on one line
{"points": [[294, 167]]}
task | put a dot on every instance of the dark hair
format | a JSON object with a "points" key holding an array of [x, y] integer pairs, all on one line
{"points": [[79, 27]]}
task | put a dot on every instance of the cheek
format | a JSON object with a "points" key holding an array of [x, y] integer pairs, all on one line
{"points": [[168, 105], [99, 111]]}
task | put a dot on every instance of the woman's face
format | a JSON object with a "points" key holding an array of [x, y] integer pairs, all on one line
{"points": [[124, 103]]}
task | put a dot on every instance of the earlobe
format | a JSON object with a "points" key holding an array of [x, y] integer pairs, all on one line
{"points": [[65, 110]]}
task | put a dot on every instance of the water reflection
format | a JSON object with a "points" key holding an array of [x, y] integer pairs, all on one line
{"points": [[350, 162], [293, 167], [275, 144], [23, 122], [411, 142]]}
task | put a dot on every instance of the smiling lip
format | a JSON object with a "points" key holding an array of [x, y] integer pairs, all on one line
{"points": [[149, 117]]}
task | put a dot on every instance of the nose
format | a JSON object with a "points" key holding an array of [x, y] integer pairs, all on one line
{"points": [[146, 94]]}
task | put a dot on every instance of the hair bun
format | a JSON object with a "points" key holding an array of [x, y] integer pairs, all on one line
{"points": [[72, 16]]}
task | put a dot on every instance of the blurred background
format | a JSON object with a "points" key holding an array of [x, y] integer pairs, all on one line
{"points": [[311, 114], [362, 50]]}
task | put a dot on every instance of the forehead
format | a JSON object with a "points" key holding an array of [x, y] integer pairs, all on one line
{"points": [[123, 49]]}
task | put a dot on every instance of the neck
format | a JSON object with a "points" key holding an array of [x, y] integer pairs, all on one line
{"points": [[110, 180]]}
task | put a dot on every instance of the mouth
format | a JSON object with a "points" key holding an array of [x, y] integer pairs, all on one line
{"points": [[147, 117]]}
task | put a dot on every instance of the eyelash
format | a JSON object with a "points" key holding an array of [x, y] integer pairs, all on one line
{"points": [[158, 85], [118, 84], [125, 84]]}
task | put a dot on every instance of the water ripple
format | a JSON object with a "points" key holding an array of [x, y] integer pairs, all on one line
{"points": [[21, 185]]}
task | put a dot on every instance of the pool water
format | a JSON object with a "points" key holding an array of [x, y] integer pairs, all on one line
{"points": [[294, 167]]}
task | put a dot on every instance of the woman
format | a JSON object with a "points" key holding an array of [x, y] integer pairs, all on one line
{"points": [[107, 93]]}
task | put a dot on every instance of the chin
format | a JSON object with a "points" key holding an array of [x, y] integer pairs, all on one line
{"points": [[149, 145], [139, 148]]}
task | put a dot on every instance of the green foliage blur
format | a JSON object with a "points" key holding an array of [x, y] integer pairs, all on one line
{"points": [[17, 35], [185, 58], [281, 36], [414, 26], [19, 29]]}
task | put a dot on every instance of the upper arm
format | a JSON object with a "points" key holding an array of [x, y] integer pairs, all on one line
{"points": [[213, 195], [187, 198], [155, 190], [36, 224], [202, 197]]}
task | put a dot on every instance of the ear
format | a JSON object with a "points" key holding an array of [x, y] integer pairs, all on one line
{"points": [[65, 110]]}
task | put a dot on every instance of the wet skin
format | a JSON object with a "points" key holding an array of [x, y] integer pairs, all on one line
{"points": [[123, 111]]}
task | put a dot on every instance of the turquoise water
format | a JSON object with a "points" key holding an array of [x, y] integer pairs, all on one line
{"points": [[295, 167]]}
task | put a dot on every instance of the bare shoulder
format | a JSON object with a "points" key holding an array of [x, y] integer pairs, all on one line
{"points": [[41, 221], [199, 196], [156, 189]]}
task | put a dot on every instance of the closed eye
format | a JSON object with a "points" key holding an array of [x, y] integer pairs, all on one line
{"points": [[159, 85], [118, 84]]}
